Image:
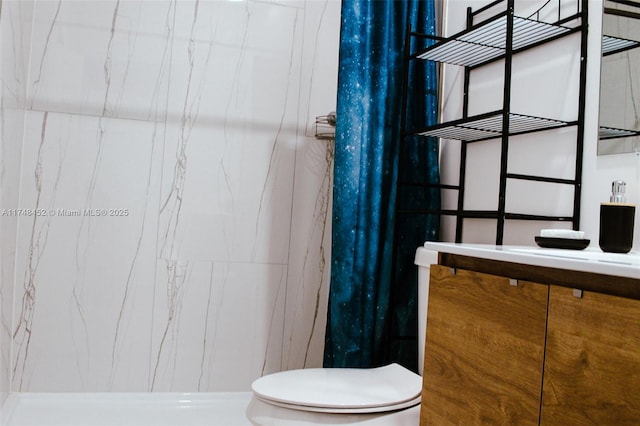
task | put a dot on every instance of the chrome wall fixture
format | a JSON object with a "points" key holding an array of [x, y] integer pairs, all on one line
{"points": [[325, 126]]}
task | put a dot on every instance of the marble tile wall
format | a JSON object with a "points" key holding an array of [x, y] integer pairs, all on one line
{"points": [[15, 32], [180, 240]]}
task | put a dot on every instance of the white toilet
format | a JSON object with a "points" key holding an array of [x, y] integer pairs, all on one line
{"points": [[349, 390]]}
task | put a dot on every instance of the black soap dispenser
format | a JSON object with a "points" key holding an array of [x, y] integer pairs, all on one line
{"points": [[616, 221]]}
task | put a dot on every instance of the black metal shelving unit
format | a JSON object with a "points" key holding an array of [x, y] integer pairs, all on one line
{"points": [[500, 38]]}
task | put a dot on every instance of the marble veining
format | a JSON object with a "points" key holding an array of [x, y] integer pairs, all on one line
{"points": [[107, 62], [323, 220], [208, 310], [176, 274], [323, 209], [37, 244], [126, 306], [311, 289], [43, 55], [185, 232], [14, 37], [173, 202], [273, 154]]}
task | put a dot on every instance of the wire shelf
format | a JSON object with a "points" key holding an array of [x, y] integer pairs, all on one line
{"points": [[613, 133], [489, 126], [611, 45], [487, 41]]}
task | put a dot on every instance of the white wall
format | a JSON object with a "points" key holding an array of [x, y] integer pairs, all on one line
{"points": [[190, 124], [545, 84]]}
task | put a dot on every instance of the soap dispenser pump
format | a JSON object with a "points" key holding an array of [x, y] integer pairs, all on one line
{"points": [[616, 221]]}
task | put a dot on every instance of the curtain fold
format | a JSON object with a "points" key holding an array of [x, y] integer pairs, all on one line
{"points": [[372, 315]]}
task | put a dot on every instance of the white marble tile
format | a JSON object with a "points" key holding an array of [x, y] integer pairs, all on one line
{"points": [[310, 235], [217, 326], [86, 264], [230, 151], [321, 45], [235, 65], [309, 257], [187, 292], [103, 57], [15, 30], [11, 126], [15, 39], [225, 202], [229, 164]]}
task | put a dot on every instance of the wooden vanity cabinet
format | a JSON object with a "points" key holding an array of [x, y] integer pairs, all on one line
{"points": [[511, 351]]}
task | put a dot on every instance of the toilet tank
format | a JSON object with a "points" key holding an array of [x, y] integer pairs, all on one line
{"points": [[424, 259]]}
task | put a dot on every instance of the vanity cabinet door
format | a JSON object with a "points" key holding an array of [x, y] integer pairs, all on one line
{"points": [[484, 349], [592, 367]]}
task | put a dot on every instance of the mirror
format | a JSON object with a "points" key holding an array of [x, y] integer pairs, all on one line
{"points": [[619, 78]]}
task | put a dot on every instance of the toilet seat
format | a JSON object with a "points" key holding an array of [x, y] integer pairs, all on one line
{"points": [[336, 410], [341, 390]]}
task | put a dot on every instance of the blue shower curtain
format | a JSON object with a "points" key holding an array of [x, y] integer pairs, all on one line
{"points": [[372, 314]]}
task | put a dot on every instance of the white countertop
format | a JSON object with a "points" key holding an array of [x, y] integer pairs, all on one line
{"points": [[587, 260]]}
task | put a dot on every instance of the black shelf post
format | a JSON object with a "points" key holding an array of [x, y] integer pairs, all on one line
{"points": [[506, 110]]}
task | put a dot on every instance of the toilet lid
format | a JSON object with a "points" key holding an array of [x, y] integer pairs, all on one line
{"points": [[340, 388]]}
